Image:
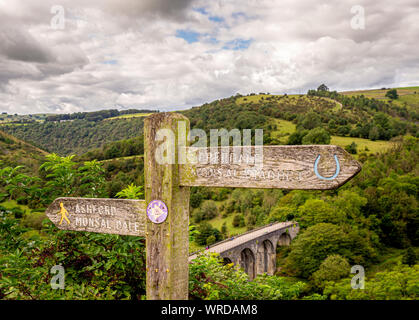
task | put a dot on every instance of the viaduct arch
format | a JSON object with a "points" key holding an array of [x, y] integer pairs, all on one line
{"points": [[255, 250]]}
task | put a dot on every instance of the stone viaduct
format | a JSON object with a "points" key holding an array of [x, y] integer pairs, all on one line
{"points": [[255, 250]]}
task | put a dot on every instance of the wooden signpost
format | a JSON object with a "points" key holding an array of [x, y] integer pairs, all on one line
{"points": [[283, 167], [163, 217], [114, 216]]}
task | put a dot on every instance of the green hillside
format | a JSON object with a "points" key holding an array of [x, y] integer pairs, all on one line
{"points": [[76, 136], [358, 114], [371, 221], [14, 152]]}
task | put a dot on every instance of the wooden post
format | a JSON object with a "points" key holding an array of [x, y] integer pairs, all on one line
{"points": [[167, 243]]}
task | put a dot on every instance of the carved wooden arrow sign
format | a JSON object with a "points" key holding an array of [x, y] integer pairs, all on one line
{"points": [[285, 167], [114, 216]]}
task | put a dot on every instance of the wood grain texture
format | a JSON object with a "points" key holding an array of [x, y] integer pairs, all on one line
{"points": [[167, 243], [284, 167], [113, 216]]}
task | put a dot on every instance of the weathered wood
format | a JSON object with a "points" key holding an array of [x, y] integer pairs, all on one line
{"points": [[167, 242], [285, 167], [113, 216]]}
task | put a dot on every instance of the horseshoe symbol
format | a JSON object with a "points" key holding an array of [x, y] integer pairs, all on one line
{"points": [[316, 163]]}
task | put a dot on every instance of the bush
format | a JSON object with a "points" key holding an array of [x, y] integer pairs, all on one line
{"points": [[317, 242], [409, 257], [351, 148], [205, 231], [211, 239], [316, 136], [209, 210], [238, 221], [392, 94], [210, 279], [401, 282], [316, 211], [333, 268]]}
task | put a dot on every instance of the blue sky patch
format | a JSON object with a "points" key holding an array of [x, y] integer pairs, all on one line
{"points": [[239, 14], [201, 10], [237, 44], [216, 19], [188, 35]]}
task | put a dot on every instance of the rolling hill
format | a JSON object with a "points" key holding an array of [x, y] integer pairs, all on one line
{"points": [[356, 116], [14, 152]]}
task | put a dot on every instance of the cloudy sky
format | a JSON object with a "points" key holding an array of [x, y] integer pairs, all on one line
{"points": [[69, 56]]}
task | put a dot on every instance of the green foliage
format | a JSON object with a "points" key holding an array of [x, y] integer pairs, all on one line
{"points": [[317, 242], [351, 148], [410, 258], [96, 266], [224, 230], [392, 94], [210, 240], [209, 279], [238, 221], [61, 174], [92, 179], [400, 283], [206, 231], [192, 232], [296, 138], [131, 192], [208, 210], [316, 136], [310, 121], [333, 268], [77, 136], [317, 211]]}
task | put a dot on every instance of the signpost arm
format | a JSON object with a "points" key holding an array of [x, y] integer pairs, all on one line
{"points": [[167, 243]]}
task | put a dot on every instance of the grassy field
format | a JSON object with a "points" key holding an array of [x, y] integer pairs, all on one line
{"points": [[372, 146], [255, 98], [218, 222], [381, 94], [128, 116], [285, 128], [9, 204], [121, 158]]}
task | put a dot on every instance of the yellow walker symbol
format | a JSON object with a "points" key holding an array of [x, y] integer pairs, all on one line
{"points": [[63, 212]]}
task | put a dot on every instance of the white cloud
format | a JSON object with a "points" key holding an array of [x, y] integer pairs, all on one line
{"points": [[126, 54]]}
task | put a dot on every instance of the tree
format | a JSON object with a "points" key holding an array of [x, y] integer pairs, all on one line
{"points": [[224, 230], [211, 239], [310, 121], [323, 87], [210, 278], [315, 211], [351, 148], [409, 257], [314, 245], [238, 221], [296, 137], [317, 136], [209, 210], [333, 268], [205, 231], [392, 94], [374, 134]]}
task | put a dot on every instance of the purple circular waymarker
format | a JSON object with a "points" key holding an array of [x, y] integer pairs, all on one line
{"points": [[157, 211]]}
